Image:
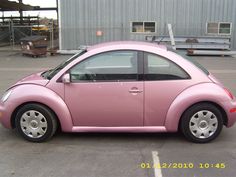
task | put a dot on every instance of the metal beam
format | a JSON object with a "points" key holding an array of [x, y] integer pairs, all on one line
{"points": [[34, 9], [44, 8], [210, 52], [6, 5]]}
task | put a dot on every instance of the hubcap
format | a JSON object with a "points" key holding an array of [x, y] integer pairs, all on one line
{"points": [[203, 124], [33, 124]]}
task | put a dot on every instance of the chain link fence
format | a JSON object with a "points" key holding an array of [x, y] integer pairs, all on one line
{"points": [[11, 34]]}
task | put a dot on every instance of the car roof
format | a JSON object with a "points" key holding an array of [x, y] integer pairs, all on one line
{"points": [[120, 45]]}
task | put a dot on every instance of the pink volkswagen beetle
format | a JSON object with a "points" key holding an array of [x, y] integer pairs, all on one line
{"points": [[120, 87]]}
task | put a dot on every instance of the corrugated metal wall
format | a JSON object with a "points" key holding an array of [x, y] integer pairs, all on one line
{"points": [[80, 19]]}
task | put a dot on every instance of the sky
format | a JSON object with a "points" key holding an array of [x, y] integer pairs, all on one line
{"points": [[41, 3]]}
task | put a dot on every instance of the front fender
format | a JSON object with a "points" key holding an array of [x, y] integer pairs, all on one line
{"points": [[208, 92], [35, 93]]}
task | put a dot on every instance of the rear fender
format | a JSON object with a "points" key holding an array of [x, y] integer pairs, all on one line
{"points": [[205, 92]]}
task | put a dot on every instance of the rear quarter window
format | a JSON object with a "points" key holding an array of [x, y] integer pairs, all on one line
{"points": [[182, 54], [159, 68]]}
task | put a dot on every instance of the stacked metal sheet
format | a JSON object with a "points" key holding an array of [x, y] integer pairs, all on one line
{"points": [[190, 42]]}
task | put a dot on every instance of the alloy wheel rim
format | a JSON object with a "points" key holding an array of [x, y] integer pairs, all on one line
{"points": [[203, 124], [33, 124]]}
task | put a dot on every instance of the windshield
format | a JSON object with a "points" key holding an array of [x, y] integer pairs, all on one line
{"points": [[52, 72], [182, 53]]}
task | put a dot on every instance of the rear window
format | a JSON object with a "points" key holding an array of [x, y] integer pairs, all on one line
{"points": [[181, 53]]}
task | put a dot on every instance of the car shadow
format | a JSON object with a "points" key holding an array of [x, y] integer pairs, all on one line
{"points": [[119, 138]]}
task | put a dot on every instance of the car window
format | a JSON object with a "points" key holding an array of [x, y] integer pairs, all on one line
{"points": [[159, 68], [108, 66], [51, 73], [198, 65], [182, 54]]}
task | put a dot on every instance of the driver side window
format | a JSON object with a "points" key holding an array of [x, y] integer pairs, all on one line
{"points": [[108, 66]]}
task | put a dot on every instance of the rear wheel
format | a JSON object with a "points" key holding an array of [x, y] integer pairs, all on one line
{"points": [[35, 122], [201, 123]]}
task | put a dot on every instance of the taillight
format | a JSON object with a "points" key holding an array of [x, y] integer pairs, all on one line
{"points": [[229, 93]]}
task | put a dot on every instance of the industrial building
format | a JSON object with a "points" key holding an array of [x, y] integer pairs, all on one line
{"points": [[87, 22]]}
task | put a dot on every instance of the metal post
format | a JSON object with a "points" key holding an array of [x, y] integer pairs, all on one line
{"points": [[2, 17], [122, 31], [13, 35], [52, 34], [171, 36], [9, 28], [21, 13], [57, 11], [38, 24]]}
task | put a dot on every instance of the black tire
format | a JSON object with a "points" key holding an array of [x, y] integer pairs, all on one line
{"points": [[48, 119], [203, 125]]}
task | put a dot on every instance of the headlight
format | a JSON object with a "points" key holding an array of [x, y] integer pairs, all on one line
{"points": [[6, 95]]}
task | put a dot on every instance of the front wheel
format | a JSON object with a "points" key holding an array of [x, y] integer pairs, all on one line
{"points": [[201, 123], [35, 122]]}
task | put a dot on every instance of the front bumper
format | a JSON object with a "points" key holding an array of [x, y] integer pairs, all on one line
{"points": [[6, 111]]}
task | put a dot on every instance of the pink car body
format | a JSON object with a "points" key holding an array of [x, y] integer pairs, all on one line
{"points": [[157, 106]]}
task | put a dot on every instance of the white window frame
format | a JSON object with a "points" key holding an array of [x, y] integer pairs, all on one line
{"points": [[212, 33], [230, 29], [218, 30], [131, 27]]}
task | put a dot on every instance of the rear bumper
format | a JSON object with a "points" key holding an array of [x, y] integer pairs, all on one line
{"points": [[230, 115], [231, 120]]}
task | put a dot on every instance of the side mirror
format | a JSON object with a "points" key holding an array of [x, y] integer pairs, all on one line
{"points": [[66, 78]]}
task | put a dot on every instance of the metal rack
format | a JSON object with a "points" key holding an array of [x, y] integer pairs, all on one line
{"points": [[192, 42]]}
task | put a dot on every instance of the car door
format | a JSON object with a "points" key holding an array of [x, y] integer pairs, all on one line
{"points": [[164, 81], [105, 90]]}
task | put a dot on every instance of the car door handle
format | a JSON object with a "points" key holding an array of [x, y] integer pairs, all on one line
{"points": [[135, 91]]}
